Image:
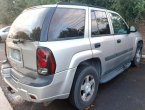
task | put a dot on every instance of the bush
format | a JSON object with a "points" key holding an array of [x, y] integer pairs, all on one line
{"points": [[131, 10]]}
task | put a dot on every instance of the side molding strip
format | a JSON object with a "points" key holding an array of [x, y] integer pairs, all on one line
{"points": [[118, 54]]}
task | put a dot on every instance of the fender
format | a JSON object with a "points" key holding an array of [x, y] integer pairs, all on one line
{"points": [[80, 57], [137, 39], [76, 60]]}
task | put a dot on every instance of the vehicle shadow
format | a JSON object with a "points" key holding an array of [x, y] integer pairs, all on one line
{"points": [[56, 105]]}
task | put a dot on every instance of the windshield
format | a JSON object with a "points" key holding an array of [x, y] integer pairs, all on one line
{"points": [[28, 25]]}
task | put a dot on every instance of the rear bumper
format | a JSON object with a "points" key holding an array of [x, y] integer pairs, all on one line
{"points": [[57, 89]]}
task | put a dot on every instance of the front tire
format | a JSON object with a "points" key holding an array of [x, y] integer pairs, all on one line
{"points": [[138, 55], [85, 87]]}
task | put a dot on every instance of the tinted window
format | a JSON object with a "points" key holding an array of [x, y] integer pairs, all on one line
{"points": [[28, 24], [100, 24], [7, 29], [94, 29], [119, 25], [67, 24]]}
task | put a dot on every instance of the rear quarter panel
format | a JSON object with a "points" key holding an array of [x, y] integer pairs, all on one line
{"points": [[65, 52]]}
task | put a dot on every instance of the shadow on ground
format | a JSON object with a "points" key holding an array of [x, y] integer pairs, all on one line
{"points": [[125, 92]]}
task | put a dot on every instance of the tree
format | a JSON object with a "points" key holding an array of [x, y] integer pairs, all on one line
{"points": [[131, 10]]}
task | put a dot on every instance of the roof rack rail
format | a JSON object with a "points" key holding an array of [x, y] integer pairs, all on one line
{"points": [[71, 3], [76, 3]]}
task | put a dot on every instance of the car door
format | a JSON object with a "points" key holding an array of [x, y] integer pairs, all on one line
{"points": [[101, 38], [122, 39]]}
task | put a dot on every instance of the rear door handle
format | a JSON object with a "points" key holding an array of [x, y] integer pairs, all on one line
{"points": [[119, 41], [97, 45]]}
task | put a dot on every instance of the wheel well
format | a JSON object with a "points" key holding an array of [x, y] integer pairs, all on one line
{"points": [[94, 61], [140, 43]]}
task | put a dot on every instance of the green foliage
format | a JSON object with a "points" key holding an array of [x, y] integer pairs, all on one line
{"points": [[131, 10]]}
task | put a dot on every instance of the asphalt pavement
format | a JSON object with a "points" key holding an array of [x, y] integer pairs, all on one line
{"points": [[125, 92]]}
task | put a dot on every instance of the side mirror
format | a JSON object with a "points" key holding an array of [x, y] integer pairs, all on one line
{"points": [[132, 29]]}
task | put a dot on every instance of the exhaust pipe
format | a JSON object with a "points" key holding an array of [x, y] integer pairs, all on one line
{"points": [[10, 90]]}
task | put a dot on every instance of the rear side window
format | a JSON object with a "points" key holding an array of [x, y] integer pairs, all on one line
{"points": [[67, 24], [100, 24]]}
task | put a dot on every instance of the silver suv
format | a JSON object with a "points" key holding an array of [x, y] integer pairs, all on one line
{"points": [[65, 51]]}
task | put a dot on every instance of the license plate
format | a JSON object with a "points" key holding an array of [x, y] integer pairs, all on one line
{"points": [[15, 54]]}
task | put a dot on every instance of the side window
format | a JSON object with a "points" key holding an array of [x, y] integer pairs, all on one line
{"points": [[100, 24], [7, 29], [119, 25], [94, 25], [67, 24]]}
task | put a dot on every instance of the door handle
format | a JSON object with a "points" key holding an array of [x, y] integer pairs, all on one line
{"points": [[97, 45], [119, 41]]}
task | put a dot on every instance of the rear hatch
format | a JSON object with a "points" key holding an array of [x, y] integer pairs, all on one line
{"points": [[23, 40]]}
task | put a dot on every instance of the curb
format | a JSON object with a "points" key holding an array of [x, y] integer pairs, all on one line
{"points": [[4, 103]]}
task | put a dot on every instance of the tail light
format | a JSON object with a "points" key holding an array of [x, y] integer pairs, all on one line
{"points": [[46, 64]]}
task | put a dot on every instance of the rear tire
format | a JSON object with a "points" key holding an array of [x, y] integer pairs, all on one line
{"points": [[85, 87], [138, 55]]}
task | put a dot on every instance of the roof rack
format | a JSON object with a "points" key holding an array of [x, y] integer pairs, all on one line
{"points": [[80, 4], [71, 3]]}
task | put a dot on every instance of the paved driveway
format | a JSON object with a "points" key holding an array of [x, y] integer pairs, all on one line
{"points": [[125, 92]]}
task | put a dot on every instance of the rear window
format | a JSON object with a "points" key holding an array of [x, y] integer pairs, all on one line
{"points": [[28, 25], [67, 23], [6, 29]]}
